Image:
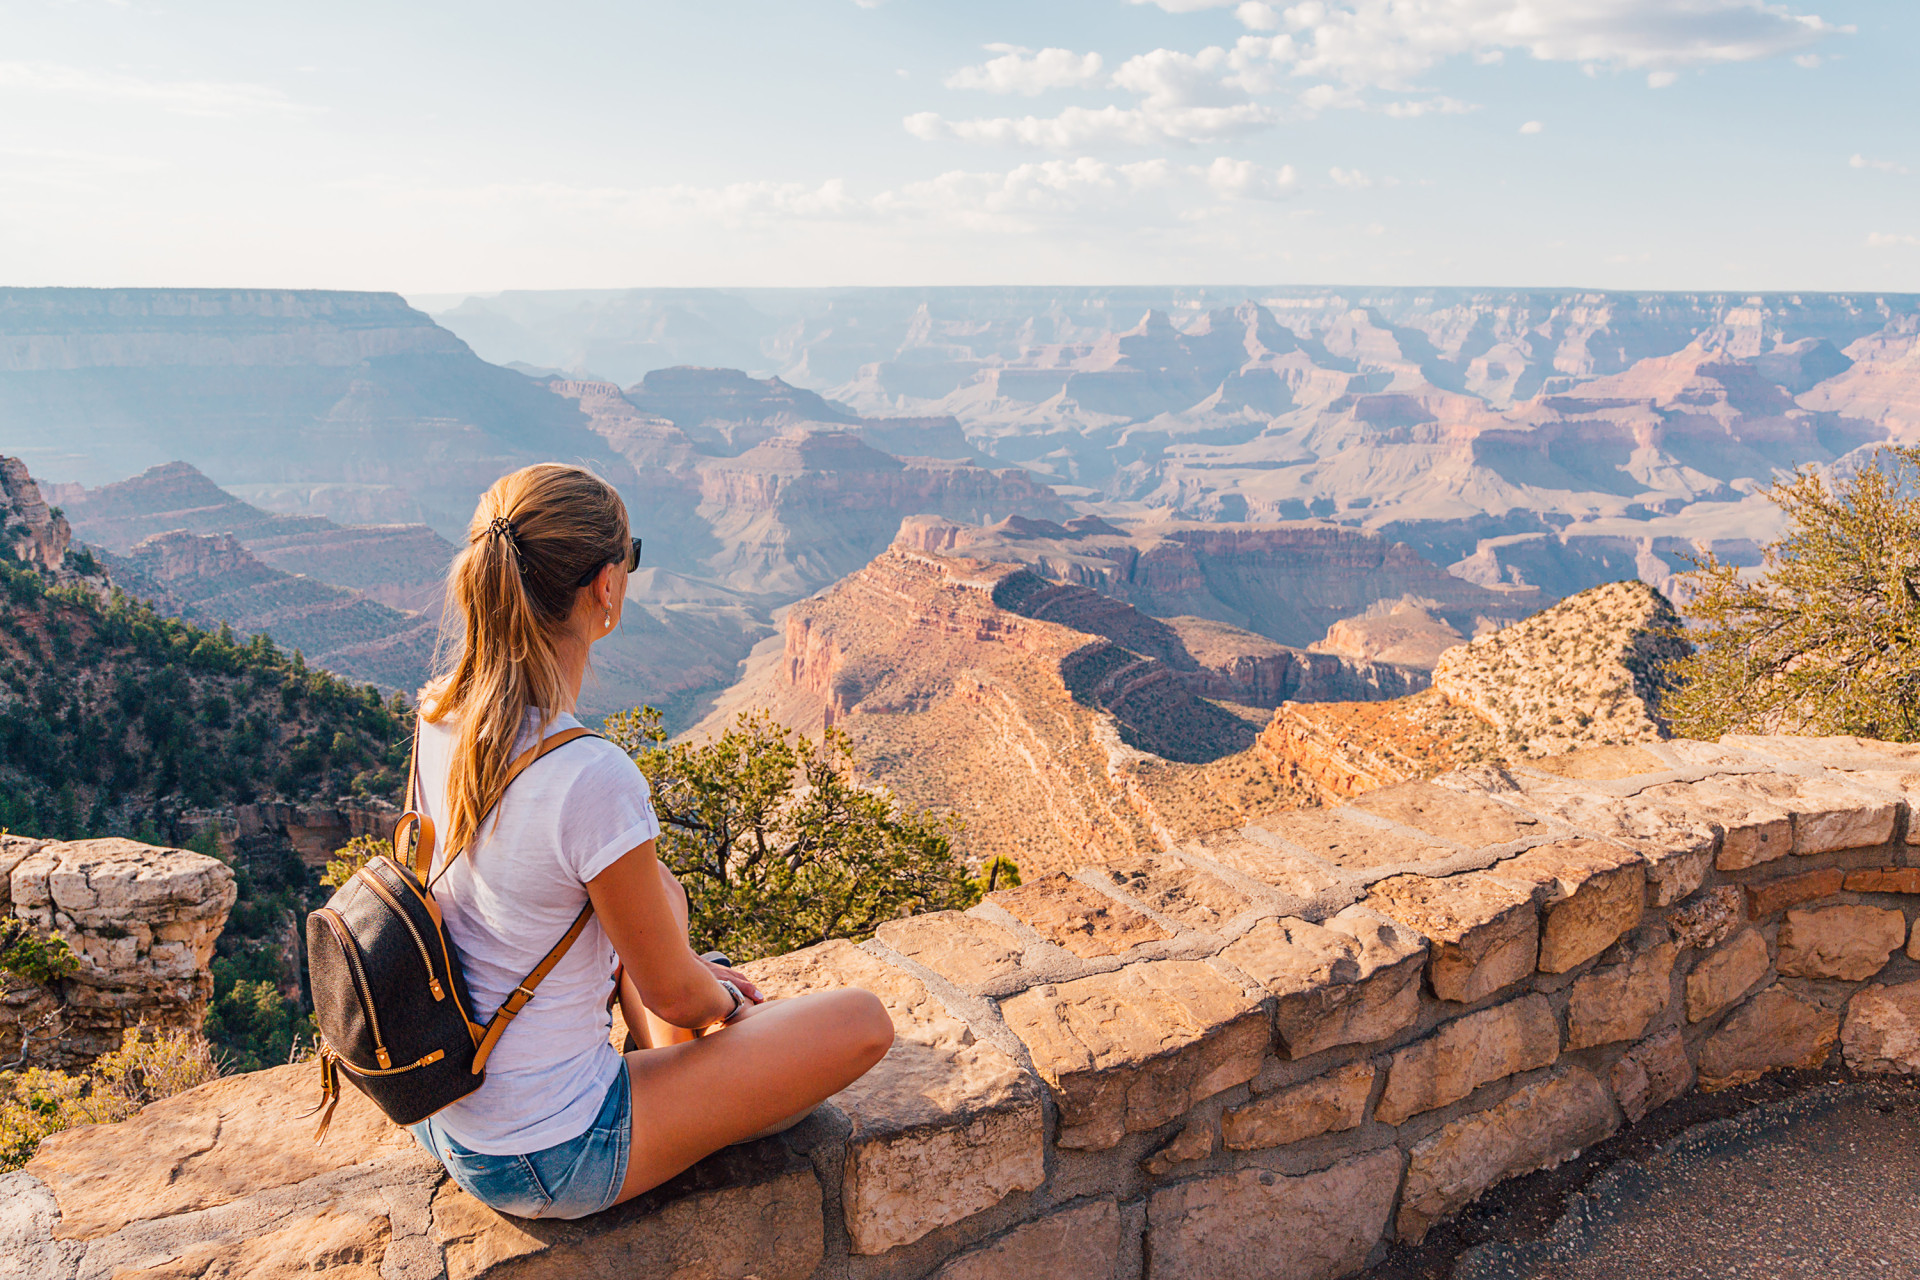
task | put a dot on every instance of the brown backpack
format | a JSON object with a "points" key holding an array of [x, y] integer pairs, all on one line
{"points": [[392, 1004]]}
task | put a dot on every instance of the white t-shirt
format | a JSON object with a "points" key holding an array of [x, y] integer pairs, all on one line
{"points": [[507, 901]]}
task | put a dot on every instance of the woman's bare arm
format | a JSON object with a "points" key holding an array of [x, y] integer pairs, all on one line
{"points": [[630, 899]]}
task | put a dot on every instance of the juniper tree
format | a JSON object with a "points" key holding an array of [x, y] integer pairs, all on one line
{"points": [[1825, 638], [778, 844]]}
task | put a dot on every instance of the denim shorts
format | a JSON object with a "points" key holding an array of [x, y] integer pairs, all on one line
{"points": [[569, 1180]]}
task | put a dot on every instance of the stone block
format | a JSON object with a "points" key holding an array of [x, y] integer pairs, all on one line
{"points": [[1258, 1225], [1882, 1031], [1356, 847], [968, 952], [1194, 898], [1593, 892], [1482, 934], [1466, 1053], [1081, 1243], [1457, 817], [1078, 917], [1651, 1074], [1195, 1142], [1664, 823], [1324, 1104], [1709, 919], [1601, 764], [1723, 976], [1824, 815], [1777, 895], [1845, 942], [1258, 855], [1352, 980], [1619, 1002], [1777, 1028], [1884, 880], [1538, 1127], [1135, 1048], [151, 1166], [767, 1230], [945, 1126]]}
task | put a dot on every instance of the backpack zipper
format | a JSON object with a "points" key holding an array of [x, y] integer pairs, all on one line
{"points": [[342, 936], [374, 882]]}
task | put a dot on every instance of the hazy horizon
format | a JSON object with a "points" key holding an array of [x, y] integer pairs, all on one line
{"points": [[1625, 145]]}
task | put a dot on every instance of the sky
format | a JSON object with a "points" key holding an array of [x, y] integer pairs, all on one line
{"points": [[434, 147]]}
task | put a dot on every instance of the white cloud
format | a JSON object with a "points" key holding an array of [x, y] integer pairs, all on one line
{"points": [[1890, 240], [1349, 177], [1440, 106], [1022, 71], [1245, 180], [180, 97], [1533, 126], [1386, 43], [1884, 166], [1662, 79], [1256, 15]]}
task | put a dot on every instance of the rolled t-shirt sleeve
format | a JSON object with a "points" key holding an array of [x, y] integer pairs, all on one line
{"points": [[608, 811]]}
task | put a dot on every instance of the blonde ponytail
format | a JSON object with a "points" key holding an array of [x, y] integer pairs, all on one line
{"points": [[537, 536]]}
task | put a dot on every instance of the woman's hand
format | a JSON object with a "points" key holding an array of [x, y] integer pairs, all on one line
{"points": [[738, 979]]}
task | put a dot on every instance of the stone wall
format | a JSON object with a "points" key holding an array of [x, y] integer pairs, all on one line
{"points": [[1268, 1053], [142, 922]]}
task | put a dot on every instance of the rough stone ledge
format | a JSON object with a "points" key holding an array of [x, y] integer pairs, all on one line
{"points": [[1235, 1075]]}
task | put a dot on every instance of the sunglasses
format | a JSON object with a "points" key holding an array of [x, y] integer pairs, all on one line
{"points": [[633, 562]]}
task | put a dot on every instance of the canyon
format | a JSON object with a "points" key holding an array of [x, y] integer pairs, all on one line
{"points": [[1504, 448]]}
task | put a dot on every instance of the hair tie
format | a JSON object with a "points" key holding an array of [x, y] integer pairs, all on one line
{"points": [[503, 527]]}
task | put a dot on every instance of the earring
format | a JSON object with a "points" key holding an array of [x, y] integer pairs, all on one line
{"points": [[606, 619]]}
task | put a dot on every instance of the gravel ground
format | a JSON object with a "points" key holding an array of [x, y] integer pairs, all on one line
{"points": [[1809, 1178]]}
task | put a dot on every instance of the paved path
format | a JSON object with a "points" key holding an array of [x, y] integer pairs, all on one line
{"points": [[1823, 1186]]}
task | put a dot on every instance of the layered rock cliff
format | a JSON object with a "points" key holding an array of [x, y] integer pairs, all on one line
{"points": [[1054, 721], [1588, 672], [1288, 582], [141, 920], [211, 579]]}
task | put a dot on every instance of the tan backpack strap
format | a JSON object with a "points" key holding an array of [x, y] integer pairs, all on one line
{"points": [[517, 998], [514, 770], [421, 857]]}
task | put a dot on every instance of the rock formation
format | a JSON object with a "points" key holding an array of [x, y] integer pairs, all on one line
{"points": [[402, 566], [34, 534], [1590, 671], [142, 922], [1288, 582], [211, 579], [1270, 1051], [350, 405]]}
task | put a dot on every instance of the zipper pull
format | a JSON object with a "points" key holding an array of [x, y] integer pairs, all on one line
{"points": [[433, 985]]}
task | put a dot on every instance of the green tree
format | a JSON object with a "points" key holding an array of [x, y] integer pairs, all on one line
{"points": [[1825, 638], [778, 844]]}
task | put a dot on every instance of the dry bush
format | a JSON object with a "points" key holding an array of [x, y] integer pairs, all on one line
{"points": [[148, 1066]]}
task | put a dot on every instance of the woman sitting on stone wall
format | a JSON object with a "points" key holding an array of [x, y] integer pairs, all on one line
{"points": [[564, 1125]]}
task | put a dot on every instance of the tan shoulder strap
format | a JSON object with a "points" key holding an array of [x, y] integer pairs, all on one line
{"points": [[517, 998], [421, 857]]}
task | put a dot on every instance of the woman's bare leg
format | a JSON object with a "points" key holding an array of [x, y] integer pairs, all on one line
{"points": [[776, 1062]]}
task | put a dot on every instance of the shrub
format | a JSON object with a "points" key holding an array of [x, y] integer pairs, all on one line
{"points": [[1825, 639], [353, 855], [148, 1066], [25, 954], [778, 845]]}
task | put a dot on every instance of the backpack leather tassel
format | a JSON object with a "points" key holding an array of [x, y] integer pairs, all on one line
{"points": [[329, 1093]]}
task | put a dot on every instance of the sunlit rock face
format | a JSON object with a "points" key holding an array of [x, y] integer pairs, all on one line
{"points": [[142, 921]]}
